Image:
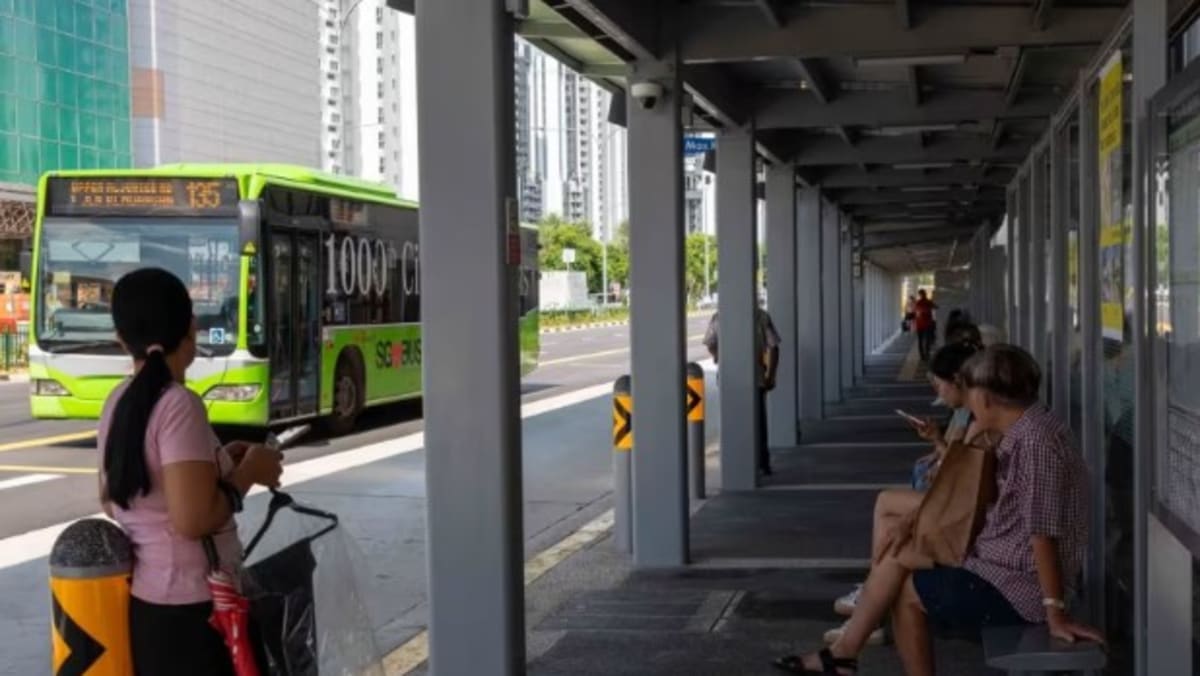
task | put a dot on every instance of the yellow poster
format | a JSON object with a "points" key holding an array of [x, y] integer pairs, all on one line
{"points": [[1113, 225]]}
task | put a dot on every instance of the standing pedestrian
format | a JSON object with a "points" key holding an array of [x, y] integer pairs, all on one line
{"points": [[766, 347], [924, 324]]}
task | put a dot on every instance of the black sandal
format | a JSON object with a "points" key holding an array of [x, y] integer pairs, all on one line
{"points": [[794, 664]]}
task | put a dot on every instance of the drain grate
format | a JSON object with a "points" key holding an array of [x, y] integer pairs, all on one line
{"points": [[631, 610]]}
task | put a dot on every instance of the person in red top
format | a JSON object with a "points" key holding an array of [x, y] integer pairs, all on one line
{"points": [[924, 325]]}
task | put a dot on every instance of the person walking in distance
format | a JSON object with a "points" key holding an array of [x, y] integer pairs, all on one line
{"points": [[924, 325], [766, 346]]}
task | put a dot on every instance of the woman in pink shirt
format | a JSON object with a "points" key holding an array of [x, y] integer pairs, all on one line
{"points": [[166, 479]]}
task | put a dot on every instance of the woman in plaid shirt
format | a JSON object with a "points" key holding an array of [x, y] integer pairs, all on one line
{"points": [[1026, 557]]}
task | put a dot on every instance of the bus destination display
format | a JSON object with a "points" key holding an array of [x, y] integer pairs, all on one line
{"points": [[141, 197]]}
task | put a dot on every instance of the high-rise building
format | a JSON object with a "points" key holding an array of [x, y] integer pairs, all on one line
{"points": [[224, 80], [570, 160], [64, 100], [368, 71]]}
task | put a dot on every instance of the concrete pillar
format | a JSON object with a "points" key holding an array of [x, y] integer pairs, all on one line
{"points": [[831, 320], [660, 493], [740, 363], [471, 377], [783, 411], [846, 293], [809, 332]]}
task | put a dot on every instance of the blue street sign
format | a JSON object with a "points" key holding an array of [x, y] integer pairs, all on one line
{"points": [[698, 145]]}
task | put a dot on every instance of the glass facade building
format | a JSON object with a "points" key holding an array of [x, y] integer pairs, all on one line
{"points": [[64, 87]]}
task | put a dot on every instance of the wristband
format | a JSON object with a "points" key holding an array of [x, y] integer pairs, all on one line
{"points": [[1054, 603], [232, 494]]}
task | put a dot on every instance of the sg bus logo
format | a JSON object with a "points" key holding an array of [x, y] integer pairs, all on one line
{"points": [[399, 354]]}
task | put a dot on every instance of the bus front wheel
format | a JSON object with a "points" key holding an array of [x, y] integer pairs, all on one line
{"points": [[347, 396]]}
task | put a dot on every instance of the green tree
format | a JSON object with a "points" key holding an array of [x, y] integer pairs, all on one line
{"points": [[554, 235], [694, 264]]}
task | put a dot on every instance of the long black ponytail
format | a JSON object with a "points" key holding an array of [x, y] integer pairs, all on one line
{"points": [[152, 313]]}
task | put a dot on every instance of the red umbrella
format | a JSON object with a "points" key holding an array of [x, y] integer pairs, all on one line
{"points": [[231, 617]]}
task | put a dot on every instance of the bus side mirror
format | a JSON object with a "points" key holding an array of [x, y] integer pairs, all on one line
{"points": [[249, 220], [26, 264]]}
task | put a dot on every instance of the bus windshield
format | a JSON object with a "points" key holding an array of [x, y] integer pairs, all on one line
{"points": [[81, 260]]}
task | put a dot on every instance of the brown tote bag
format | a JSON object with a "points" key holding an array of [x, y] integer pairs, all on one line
{"points": [[953, 509]]}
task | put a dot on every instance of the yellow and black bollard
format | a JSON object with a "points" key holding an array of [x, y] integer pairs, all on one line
{"points": [[90, 566], [623, 465], [694, 403]]}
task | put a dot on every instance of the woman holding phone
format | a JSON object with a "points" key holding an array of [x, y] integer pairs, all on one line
{"points": [[166, 479], [895, 507]]}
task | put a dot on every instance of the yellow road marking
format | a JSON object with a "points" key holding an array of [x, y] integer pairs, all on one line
{"points": [[603, 353], [38, 469], [415, 651], [47, 441]]}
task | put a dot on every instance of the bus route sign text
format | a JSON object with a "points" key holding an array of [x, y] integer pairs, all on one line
{"points": [[141, 196]]}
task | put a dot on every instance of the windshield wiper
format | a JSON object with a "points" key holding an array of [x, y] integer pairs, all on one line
{"points": [[80, 347], [201, 350]]}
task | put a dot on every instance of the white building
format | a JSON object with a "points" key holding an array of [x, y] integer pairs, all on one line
{"points": [[255, 99], [368, 76]]}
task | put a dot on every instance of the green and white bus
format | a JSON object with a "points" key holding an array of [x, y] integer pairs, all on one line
{"points": [[306, 288]]}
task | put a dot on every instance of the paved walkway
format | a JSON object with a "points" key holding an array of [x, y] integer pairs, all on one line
{"points": [[768, 564]]}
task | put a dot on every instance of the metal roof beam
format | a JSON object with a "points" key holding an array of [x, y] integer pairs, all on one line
{"points": [[534, 29], [1041, 14], [823, 149], [1015, 77], [933, 235], [848, 177], [914, 85], [628, 23], [712, 90], [853, 198], [788, 110], [904, 14], [818, 84], [770, 10], [711, 33]]}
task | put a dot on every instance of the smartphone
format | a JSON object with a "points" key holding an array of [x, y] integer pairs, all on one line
{"points": [[911, 418], [287, 437]]}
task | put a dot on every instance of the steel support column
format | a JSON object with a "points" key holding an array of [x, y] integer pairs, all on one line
{"points": [[1091, 370], [1060, 319], [846, 305], [858, 305], [1162, 572], [1024, 260], [809, 341], [740, 364], [1035, 334], [471, 376], [831, 300], [660, 493], [781, 300]]}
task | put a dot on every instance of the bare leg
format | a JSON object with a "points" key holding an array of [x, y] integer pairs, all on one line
{"points": [[890, 505], [911, 630], [879, 593]]}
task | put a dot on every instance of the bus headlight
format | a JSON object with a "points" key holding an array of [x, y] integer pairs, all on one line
{"points": [[49, 388], [232, 393]]}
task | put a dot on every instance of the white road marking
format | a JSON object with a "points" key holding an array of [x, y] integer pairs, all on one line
{"points": [[27, 480], [32, 545]]}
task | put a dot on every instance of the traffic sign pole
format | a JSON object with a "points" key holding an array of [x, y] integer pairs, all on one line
{"points": [[695, 416], [623, 465]]}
